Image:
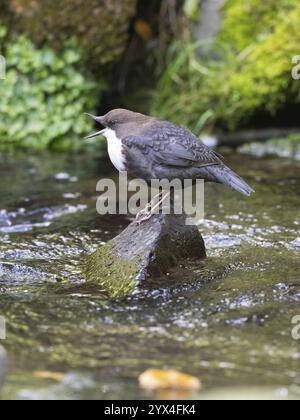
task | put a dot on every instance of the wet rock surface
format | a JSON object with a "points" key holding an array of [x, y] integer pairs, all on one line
{"points": [[143, 252]]}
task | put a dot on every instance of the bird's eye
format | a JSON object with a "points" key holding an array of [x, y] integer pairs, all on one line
{"points": [[113, 122]]}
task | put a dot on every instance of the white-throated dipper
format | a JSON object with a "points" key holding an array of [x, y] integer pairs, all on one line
{"points": [[149, 148]]}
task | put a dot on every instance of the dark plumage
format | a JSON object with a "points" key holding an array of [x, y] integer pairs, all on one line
{"points": [[155, 149]]}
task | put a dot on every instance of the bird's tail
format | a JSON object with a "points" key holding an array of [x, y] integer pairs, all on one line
{"points": [[226, 176]]}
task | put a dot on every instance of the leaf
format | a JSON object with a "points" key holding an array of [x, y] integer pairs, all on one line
{"points": [[54, 376], [192, 9], [155, 379], [143, 29], [44, 95]]}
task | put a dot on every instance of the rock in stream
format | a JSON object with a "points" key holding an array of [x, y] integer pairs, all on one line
{"points": [[144, 252]]}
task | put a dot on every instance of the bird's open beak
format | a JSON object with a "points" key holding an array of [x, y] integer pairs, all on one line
{"points": [[99, 121]]}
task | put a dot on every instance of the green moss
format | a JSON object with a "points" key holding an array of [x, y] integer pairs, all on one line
{"points": [[100, 27], [250, 69], [248, 21], [44, 96], [115, 275]]}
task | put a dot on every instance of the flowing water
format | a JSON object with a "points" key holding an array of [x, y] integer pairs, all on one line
{"points": [[232, 327]]}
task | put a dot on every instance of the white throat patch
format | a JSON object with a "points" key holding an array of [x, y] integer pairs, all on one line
{"points": [[115, 149]]}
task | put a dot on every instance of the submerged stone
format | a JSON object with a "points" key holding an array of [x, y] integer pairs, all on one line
{"points": [[144, 252]]}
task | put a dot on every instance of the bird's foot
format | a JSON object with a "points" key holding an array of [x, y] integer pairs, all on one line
{"points": [[154, 207], [143, 216]]}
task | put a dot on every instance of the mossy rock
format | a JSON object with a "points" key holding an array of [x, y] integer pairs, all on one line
{"points": [[142, 253], [101, 27]]}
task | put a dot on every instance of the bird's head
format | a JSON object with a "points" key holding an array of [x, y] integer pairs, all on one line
{"points": [[117, 119]]}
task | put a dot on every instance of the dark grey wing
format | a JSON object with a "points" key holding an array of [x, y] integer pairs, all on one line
{"points": [[173, 146], [178, 155]]}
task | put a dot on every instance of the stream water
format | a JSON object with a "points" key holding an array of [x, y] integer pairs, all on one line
{"points": [[232, 327]]}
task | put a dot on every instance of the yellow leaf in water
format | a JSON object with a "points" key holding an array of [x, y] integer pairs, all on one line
{"points": [[54, 376], [154, 379], [143, 29]]}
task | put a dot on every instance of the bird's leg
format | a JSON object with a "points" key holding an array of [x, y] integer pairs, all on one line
{"points": [[152, 208], [160, 203]]}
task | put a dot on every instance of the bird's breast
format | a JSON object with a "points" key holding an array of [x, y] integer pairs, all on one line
{"points": [[115, 150]]}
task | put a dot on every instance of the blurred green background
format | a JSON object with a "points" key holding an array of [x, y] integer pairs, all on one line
{"points": [[218, 66]]}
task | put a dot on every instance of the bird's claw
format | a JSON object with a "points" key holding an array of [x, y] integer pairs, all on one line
{"points": [[143, 216], [153, 208]]}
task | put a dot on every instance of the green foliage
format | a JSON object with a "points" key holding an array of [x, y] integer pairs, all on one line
{"points": [[192, 9], [43, 97], [248, 68], [248, 21]]}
